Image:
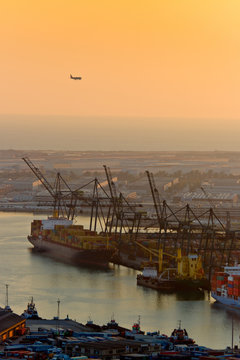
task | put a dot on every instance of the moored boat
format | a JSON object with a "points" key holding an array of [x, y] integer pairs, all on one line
{"points": [[136, 330], [31, 311], [188, 275], [225, 286], [59, 238], [180, 336]]}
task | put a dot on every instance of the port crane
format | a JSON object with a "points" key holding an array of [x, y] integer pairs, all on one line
{"points": [[66, 200], [56, 192], [183, 267], [185, 228], [122, 215], [155, 196], [161, 210]]}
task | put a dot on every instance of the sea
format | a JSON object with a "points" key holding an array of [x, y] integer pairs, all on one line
{"points": [[101, 295]]}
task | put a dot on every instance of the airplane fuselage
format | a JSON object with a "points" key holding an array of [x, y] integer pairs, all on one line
{"points": [[75, 77]]}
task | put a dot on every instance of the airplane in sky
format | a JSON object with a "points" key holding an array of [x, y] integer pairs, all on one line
{"points": [[75, 77]]}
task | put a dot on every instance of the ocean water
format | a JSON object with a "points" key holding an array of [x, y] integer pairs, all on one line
{"points": [[100, 294]]}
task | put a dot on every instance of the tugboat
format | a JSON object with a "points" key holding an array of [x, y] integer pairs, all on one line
{"points": [[114, 327], [180, 336], [135, 330], [31, 311]]}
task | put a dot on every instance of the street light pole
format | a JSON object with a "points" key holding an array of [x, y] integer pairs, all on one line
{"points": [[58, 314]]}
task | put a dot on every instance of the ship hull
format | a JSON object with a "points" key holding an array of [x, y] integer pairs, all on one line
{"points": [[172, 284], [155, 284], [69, 254], [226, 300]]}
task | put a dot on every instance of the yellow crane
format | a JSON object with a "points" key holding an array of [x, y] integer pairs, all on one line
{"points": [[159, 254], [187, 266]]}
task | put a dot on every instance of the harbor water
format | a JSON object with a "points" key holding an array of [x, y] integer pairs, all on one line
{"points": [[101, 294]]}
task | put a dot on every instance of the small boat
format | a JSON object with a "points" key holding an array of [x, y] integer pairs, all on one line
{"points": [[115, 328], [31, 311], [112, 324], [135, 330], [180, 336]]}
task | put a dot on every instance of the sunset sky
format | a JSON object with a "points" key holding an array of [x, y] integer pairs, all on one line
{"points": [[154, 59]]}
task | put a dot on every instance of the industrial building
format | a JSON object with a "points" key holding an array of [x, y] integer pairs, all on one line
{"points": [[10, 324]]}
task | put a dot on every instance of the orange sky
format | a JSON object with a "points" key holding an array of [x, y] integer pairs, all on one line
{"points": [[174, 58]]}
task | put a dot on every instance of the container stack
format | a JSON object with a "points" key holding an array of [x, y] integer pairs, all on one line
{"points": [[229, 283], [214, 282], [220, 280], [74, 236], [236, 289], [230, 286]]}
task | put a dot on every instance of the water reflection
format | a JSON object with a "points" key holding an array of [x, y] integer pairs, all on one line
{"points": [[81, 267], [191, 296], [227, 312]]}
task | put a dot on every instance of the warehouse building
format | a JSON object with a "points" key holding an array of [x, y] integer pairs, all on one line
{"points": [[10, 324]]}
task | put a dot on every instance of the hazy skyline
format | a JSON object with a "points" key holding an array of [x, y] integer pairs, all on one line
{"points": [[169, 68], [115, 133]]}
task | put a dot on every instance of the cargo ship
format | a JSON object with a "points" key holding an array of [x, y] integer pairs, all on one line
{"points": [[60, 239], [188, 275], [225, 286]]}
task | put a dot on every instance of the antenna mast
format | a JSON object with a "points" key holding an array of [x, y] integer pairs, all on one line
{"points": [[6, 305]]}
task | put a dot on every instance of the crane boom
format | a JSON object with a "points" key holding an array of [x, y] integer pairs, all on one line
{"points": [[111, 183], [155, 196], [40, 176], [59, 205]]}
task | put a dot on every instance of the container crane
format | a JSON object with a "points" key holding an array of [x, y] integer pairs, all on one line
{"points": [[121, 208], [58, 195]]}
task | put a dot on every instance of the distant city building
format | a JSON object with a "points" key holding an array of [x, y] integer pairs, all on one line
{"points": [[19, 185], [215, 199], [4, 189]]}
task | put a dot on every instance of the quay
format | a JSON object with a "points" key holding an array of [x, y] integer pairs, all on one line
{"points": [[66, 339], [35, 324]]}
